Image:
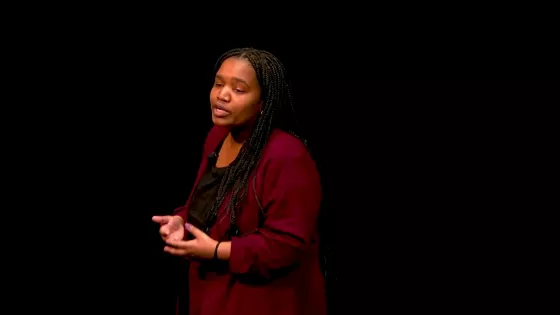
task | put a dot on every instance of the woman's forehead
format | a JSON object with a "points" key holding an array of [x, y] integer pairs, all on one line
{"points": [[238, 69]]}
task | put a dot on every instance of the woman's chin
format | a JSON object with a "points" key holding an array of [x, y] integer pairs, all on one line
{"points": [[219, 121]]}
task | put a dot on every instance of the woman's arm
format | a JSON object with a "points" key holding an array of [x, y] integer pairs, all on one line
{"points": [[293, 198]]}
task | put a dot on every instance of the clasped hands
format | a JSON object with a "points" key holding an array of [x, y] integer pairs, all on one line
{"points": [[172, 231]]}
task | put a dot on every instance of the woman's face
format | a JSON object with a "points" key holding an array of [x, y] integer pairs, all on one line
{"points": [[235, 98]]}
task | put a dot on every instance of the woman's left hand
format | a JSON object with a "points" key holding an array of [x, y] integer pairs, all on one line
{"points": [[202, 247]]}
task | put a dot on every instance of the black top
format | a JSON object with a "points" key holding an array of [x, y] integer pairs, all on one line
{"points": [[206, 191], [204, 195]]}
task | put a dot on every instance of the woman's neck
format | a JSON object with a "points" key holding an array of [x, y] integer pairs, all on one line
{"points": [[238, 135]]}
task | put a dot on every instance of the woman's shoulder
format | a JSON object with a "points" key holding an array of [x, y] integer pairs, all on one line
{"points": [[282, 145], [287, 157]]}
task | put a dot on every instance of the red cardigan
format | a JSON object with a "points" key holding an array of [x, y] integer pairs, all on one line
{"points": [[283, 252]]}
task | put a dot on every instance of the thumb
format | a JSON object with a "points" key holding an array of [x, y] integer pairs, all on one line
{"points": [[161, 219], [194, 230]]}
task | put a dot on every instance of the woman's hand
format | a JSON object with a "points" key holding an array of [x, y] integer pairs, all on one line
{"points": [[171, 227], [202, 247]]}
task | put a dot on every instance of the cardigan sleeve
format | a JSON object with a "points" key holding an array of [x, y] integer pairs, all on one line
{"points": [[292, 203]]}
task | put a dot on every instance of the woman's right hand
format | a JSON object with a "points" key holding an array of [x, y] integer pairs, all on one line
{"points": [[171, 227]]}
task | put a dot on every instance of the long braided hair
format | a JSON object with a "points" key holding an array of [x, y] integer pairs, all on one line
{"points": [[277, 112]]}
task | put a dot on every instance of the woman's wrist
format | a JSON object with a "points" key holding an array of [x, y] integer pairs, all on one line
{"points": [[223, 250]]}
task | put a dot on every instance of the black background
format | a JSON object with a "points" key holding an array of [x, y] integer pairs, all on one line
{"points": [[410, 142]]}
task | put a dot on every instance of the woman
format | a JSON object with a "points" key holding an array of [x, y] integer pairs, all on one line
{"points": [[251, 233]]}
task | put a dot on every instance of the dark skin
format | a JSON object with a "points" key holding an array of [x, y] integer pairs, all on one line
{"points": [[237, 91], [235, 102]]}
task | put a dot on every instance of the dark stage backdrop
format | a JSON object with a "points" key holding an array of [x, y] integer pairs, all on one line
{"points": [[402, 164], [406, 167]]}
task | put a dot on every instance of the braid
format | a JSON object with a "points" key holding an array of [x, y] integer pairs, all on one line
{"points": [[278, 99]]}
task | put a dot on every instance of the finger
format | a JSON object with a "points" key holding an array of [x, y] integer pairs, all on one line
{"points": [[187, 245], [161, 219], [175, 237], [164, 231], [194, 230], [176, 251]]}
